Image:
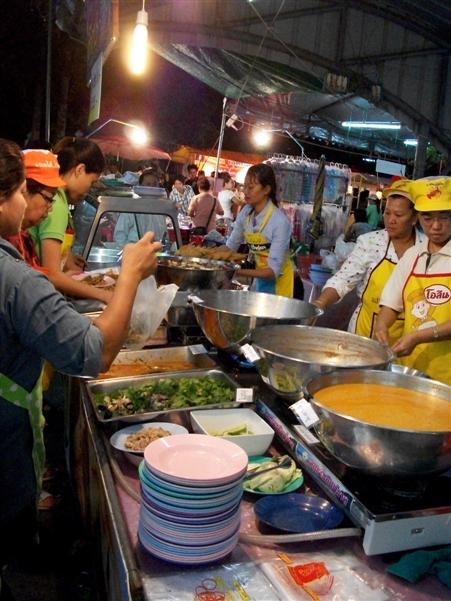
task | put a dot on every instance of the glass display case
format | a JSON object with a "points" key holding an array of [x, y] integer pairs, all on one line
{"points": [[104, 225]]}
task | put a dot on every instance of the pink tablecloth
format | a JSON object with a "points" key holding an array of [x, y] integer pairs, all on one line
{"points": [[371, 570]]}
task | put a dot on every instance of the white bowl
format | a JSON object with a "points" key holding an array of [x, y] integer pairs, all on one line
{"points": [[218, 420], [118, 439]]}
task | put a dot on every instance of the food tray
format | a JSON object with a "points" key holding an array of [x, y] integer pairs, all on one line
{"points": [[106, 386], [176, 353]]}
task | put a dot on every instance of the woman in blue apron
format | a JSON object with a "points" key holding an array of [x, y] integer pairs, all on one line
{"points": [[36, 323], [267, 231]]}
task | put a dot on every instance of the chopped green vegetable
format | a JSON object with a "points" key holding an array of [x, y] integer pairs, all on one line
{"points": [[274, 481], [164, 394], [237, 430]]}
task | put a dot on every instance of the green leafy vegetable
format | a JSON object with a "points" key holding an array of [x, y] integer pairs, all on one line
{"points": [[164, 394]]}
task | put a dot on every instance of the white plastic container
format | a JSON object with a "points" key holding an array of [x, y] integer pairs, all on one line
{"points": [[218, 420]]}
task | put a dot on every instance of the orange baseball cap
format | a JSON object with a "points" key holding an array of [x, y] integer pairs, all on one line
{"points": [[43, 167]]}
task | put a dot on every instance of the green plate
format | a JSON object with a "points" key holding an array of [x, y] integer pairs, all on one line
{"points": [[290, 488]]}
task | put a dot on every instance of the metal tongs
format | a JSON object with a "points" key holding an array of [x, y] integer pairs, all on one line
{"points": [[286, 462]]}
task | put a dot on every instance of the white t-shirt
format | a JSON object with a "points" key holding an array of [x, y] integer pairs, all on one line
{"points": [[225, 200]]}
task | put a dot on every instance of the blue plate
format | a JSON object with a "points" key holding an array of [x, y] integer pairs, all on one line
{"points": [[294, 485], [298, 513]]}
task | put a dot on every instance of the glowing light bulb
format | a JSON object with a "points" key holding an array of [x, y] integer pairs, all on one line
{"points": [[262, 137], [139, 45], [138, 136]]}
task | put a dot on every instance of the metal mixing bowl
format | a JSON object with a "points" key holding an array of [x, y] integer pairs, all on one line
{"points": [[193, 274], [291, 355], [382, 451], [228, 317]]}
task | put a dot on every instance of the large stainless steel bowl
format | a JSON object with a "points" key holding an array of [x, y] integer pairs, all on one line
{"points": [[228, 317], [291, 355], [382, 451], [193, 274]]}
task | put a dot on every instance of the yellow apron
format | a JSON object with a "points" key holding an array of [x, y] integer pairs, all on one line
{"points": [[259, 248], [66, 244], [369, 309], [32, 403], [427, 303]]}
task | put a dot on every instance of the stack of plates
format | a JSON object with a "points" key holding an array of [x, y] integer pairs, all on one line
{"points": [[191, 488]]}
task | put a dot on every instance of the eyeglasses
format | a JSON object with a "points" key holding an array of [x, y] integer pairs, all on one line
{"points": [[429, 219], [46, 197]]}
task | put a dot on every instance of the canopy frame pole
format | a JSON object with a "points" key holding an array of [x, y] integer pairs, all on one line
{"points": [[221, 138]]}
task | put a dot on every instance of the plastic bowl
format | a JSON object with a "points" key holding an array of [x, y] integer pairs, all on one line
{"points": [[219, 420], [319, 278]]}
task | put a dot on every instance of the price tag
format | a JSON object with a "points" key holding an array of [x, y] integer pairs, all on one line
{"points": [[244, 395], [197, 349], [195, 299], [305, 413], [305, 434], [250, 353]]}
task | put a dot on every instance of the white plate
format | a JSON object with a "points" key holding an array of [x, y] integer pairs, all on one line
{"points": [[118, 439], [196, 459]]}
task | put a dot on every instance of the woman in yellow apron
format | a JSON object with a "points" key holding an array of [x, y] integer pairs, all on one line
{"points": [[37, 323], [369, 266], [80, 164], [267, 231], [421, 286]]}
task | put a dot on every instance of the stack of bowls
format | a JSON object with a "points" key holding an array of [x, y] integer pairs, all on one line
{"points": [[191, 488], [319, 274]]}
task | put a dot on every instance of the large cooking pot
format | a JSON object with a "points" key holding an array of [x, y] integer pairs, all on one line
{"points": [[291, 355], [193, 274], [228, 317], [381, 450]]}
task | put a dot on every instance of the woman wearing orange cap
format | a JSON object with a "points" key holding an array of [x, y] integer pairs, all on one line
{"points": [[421, 286], [42, 181], [372, 261], [80, 164]]}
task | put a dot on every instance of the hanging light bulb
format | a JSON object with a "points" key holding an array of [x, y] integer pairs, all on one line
{"points": [[139, 45], [262, 137]]}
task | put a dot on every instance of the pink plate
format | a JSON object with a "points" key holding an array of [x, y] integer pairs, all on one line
{"points": [[196, 458]]}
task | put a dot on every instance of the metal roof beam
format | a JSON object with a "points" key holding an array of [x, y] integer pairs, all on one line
{"points": [[289, 14], [388, 56], [384, 10]]}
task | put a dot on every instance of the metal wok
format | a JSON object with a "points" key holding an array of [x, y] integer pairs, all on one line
{"points": [[229, 317], [382, 451], [291, 355], [193, 274]]}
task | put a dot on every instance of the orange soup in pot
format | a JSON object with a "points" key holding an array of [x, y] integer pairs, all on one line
{"points": [[389, 406]]}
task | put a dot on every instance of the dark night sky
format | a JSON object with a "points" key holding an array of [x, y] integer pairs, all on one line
{"points": [[176, 107]]}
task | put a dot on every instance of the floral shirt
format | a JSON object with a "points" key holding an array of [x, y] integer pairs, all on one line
{"points": [[182, 200], [355, 272]]}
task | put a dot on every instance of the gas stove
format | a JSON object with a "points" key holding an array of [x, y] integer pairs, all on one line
{"points": [[396, 514]]}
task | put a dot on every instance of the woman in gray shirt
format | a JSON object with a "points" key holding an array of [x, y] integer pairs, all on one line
{"points": [[37, 323]]}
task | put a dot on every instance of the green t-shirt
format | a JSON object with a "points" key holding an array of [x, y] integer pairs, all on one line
{"points": [[372, 216], [56, 223]]}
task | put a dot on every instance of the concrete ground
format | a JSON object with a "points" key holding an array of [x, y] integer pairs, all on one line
{"points": [[61, 567]]}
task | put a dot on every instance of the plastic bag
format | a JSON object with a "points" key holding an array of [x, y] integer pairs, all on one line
{"points": [[329, 260], [150, 306], [343, 249]]}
